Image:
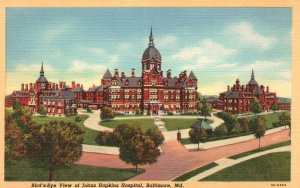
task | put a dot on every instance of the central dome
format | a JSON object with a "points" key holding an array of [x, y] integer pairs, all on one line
{"points": [[151, 52]]}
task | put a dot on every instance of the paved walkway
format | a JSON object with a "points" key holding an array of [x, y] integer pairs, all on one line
{"points": [[93, 120], [218, 143], [226, 162], [176, 160]]}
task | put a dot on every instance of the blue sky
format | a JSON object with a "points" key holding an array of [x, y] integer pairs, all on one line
{"points": [[218, 44]]}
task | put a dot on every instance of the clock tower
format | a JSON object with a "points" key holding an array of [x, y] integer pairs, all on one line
{"points": [[41, 82]]}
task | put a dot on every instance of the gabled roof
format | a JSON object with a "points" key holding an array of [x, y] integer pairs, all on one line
{"points": [[78, 89], [201, 123], [132, 82], [107, 74], [192, 76], [232, 95], [94, 89]]}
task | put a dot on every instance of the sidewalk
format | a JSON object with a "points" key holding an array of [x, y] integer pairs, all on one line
{"points": [[93, 120], [226, 162], [100, 149], [218, 143]]}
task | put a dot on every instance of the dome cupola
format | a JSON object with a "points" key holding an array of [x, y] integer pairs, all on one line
{"points": [[151, 52]]}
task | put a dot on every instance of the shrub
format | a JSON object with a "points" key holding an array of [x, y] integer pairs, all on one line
{"points": [[89, 110], [101, 138], [244, 124], [107, 113], [236, 129], [78, 119], [138, 112], [276, 124], [170, 113], [220, 130]]}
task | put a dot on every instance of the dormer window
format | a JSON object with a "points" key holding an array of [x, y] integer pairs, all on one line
{"points": [[126, 82]]}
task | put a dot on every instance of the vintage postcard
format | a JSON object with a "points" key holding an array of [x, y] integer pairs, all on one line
{"points": [[144, 95]]}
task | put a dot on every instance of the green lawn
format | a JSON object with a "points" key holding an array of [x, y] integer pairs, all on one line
{"points": [[190, 174], [281, 144], [270, 118], [89, 135], [270, 167], [22, 171], [174, 124], [171, 124]]}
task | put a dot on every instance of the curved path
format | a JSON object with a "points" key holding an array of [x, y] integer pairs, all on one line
{"points": [[93, 123], [226, 162], [176, 160]]}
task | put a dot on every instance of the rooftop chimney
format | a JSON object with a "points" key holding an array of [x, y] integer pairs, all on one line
{"points": [[123, 75], [56, 87], [169, 75], [26, 87], [267, 89], [73, 84], [132, 72], [117, 73], [22, 87], [228, 88]]}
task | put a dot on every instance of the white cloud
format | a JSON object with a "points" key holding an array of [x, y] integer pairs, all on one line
{"points": [[53, 32], [81, 66], [246, 33], [204, 54], [96, 51], [33, 67], [286, 74], [188, 53], [124, 46], [166, 40], [263, 65]]}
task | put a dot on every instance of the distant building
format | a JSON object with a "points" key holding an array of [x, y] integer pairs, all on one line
{"points": [[57, 100], [236, 99]]}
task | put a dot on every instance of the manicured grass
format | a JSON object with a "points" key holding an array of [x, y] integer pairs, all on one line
{"points": [[270, 118], [89, 135], [22, 171], [145, 124], [174, 124], [190, 174], [171, 124], [281, 144], [270, 167]]}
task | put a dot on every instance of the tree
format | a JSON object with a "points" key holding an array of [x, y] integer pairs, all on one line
{"points": [[255, 106], [15, 139], [59, 144], [42, 110], [198, 135], [138, 149], [156, 136], [200, 100], [107, 113], [206, 110], [285, 119], [16, 104], [236, 129], [274, 107], [259, 128], [221, 130], [244, 124]]}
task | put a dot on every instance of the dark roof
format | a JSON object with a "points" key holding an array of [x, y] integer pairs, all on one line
{"points": [[107, 74], [201, 123], [232, 94], [256, 91], [78, 89], [151, 52], [94, 89], [132, 82], [171, 82], [252, 82], [42, 79], [64, 93], [192, 75]]}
